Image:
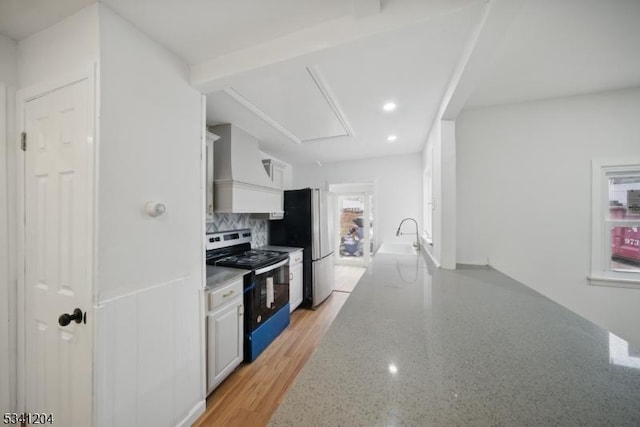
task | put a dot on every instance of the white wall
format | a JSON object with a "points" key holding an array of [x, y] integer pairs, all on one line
{"points": [[66, 46], [397, 188], [150, 141], [149, 338], [441, 143], [432, 146], [8, 81], [524, 195], [8, 61]]}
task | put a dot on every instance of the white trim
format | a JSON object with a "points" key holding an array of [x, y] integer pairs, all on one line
{"points": [[12, 239], [193, 414], [208, 134], [106, 301], [328, 95], [426, 239], [22, 97], [6, 368], [264, 116], [20, 258], [428, 250], [351, 187], [20, 254], [623, 222], [40, 89], [614, 282], [203, 231], [92, 211]]}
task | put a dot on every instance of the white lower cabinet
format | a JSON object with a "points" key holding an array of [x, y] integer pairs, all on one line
{"points": [[295, 280], [225, 317]]}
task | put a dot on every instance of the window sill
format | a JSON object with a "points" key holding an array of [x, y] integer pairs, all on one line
{"points": [[426, 239], [615, 282]]}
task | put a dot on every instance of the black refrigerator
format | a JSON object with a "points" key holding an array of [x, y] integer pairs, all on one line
{"points": [[307, 224]]}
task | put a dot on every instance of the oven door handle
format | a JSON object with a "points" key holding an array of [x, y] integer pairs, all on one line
{"points": [[271, 267]]}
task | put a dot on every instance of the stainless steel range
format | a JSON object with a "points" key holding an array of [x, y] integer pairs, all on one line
{"points": [[266, 289], [252, 259]]}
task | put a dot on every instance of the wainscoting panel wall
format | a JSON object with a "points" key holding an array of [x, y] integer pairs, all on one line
{"points": [[148, 357]]}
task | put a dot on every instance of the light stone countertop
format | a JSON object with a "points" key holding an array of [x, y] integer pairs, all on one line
{"points": [[419, 346], [218, 276]]}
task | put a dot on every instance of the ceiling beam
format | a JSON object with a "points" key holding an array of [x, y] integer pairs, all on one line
{"points": [[485, 38], [210, 75]]}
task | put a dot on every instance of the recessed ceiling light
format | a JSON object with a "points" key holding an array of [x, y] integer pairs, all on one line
{"points": [[391, 138], [389, 106]]}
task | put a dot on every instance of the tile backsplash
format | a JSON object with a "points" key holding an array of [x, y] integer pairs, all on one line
{"points": [[232, 221]]}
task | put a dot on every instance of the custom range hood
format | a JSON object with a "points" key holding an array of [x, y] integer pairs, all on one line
{"points": [[241, 184]]}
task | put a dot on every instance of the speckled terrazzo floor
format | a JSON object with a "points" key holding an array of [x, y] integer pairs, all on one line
{"points": [[418, 346]]}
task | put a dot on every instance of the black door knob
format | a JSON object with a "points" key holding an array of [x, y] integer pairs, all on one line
{"points": [[66, 318]]}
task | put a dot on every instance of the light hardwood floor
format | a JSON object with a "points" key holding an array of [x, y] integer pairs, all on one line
{"points": [[252, 393]]}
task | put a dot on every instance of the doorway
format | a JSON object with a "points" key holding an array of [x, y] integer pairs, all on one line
{"points": [[353, 225], [55, 293]]}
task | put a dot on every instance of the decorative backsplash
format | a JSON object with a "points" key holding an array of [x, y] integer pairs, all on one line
{"points": [[233, 221]]}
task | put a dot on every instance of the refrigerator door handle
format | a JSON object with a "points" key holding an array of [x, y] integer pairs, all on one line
{"points": [[320, 227], [316, 247]]}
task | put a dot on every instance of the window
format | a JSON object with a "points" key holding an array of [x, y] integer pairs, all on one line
{"points": [[615, 239]]}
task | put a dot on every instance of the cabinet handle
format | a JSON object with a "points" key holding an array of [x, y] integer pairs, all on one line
{"points": [[290, 276], [227, 294]]}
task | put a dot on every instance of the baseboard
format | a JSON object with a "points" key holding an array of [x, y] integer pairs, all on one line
{"points": [[193, 415], [470, 265], [428, 252]]}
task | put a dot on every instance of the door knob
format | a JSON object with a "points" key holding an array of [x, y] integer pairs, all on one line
{"points": [[66, 318]]}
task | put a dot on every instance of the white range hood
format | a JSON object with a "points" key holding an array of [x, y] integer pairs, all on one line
{"points": [[241, 184]]}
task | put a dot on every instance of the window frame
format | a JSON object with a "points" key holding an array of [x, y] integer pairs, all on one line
{"points": [[601, 272]]}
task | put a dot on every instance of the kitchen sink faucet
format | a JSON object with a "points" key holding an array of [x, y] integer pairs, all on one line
{"points": [[398, 233]]}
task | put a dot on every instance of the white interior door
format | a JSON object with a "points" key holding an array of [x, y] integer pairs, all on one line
{"points": [[58, 254]]}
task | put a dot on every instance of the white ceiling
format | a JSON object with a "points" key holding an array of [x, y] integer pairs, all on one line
{"points": [[198, 30], [21, 18], [552, 48], [561, 48], [291, 97], [411, 66]]}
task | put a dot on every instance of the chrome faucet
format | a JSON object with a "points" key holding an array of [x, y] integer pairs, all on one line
{"points": [[398, 233]]}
